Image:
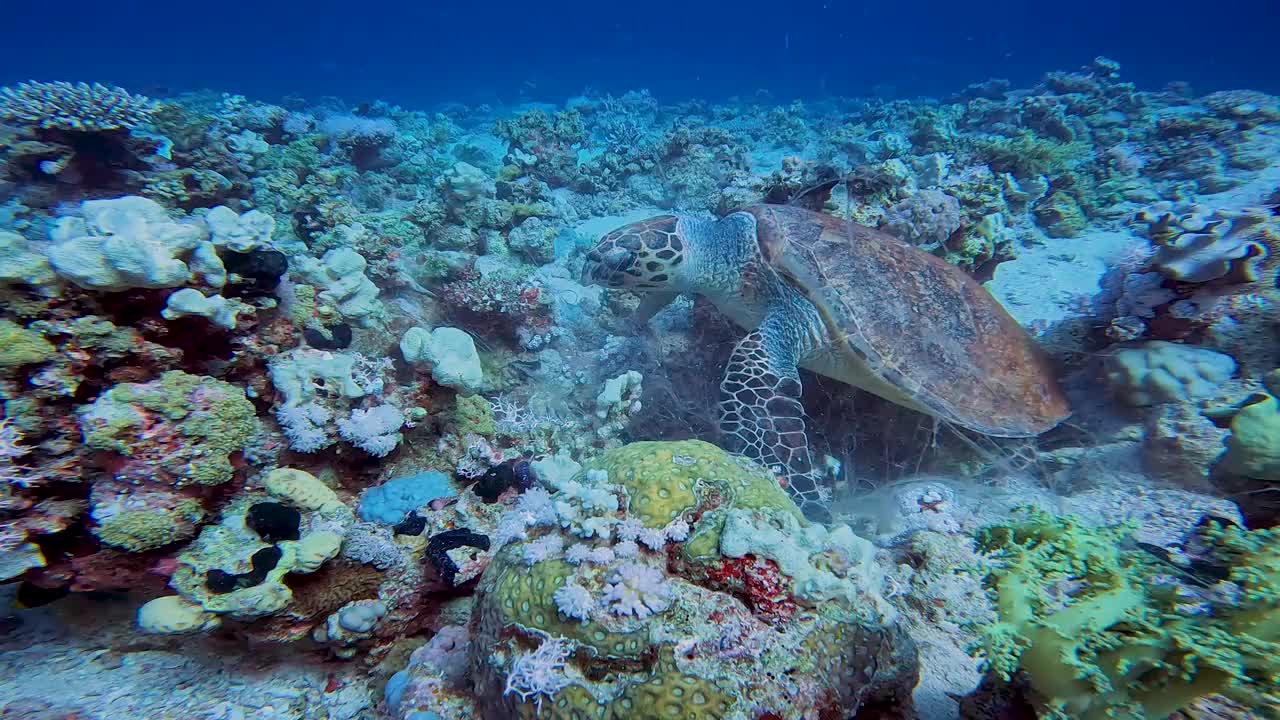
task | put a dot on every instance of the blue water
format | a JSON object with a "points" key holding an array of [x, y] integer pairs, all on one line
{"points": [[418, 53]]}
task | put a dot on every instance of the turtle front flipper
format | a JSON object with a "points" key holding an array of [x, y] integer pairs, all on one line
{"points": [[761, 416], [651, 304]]}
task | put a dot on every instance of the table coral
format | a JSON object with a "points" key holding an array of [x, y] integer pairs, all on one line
{"points": [[78, 106]]}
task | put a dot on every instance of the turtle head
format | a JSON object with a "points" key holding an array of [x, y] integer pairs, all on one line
{"points": [[645, 256]]}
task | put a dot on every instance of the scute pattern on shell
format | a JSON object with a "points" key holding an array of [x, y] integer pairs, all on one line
{"points": [[919, 324]]}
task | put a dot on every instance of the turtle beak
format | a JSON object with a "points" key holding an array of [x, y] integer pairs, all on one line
{"points": [[601, 266]]}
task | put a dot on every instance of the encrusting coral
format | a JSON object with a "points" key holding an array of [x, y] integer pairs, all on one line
{"points": [[1100, 629], [233, 569]]}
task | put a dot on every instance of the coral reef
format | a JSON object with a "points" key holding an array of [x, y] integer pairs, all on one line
{"points": [[328, 378]]}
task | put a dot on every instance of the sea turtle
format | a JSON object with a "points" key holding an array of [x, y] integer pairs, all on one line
{"points": [[842, 300]]}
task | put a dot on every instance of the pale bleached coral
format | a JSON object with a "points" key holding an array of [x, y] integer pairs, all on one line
{"points": [[347, 293], [1198, 244], [1159, 372]]}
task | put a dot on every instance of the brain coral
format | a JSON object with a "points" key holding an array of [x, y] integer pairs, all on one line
{"points": [[595, 606]]}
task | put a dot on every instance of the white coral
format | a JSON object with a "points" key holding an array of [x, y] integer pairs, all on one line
{"points": [[304, 426], [10, 437], [638, 590], [677, 530], [544, 548], [538, 503], [630, 529], [371, 544], [655, 540], [577, 554], [540, 673], [601, 556], [575, 601], [375, 430]]}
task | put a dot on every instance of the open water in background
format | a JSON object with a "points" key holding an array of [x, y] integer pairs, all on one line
{"points": [[419, 53]]}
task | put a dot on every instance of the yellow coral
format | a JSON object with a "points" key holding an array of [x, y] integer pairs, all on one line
{"points": [[173, 615], [301, 488], [147, 529], [667, 694], [315, 549], [231, 546], [20, 346], [268, 597], [665, 479]]}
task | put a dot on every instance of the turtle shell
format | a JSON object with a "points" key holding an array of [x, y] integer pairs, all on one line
{"points": [[911, 321]]}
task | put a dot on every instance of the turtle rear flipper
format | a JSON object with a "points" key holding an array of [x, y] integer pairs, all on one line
{"points": [[761, 416]]}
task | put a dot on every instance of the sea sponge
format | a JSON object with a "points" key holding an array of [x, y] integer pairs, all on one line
{"points": [[1159, 372], [391, 501]]}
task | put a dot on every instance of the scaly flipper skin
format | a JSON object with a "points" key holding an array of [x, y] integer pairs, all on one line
{"points": [[761, 416], [651, 304]]}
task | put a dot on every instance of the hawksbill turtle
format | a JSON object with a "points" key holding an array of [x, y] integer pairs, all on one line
{"points": [[842, 300]]}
